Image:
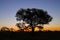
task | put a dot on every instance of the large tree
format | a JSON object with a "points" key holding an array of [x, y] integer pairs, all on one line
{"points": [[33, 17]]}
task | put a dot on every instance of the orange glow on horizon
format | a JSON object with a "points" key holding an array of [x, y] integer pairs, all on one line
{"points": [[44, 29], [52, 28], [36, 29]]}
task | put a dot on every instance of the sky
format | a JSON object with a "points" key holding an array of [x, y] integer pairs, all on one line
{"points": [[8, 9]]}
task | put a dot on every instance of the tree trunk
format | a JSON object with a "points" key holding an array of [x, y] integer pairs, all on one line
{"points": [[32, 29]]}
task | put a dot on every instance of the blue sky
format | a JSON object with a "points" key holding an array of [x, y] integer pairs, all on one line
{"points": [[8, 9]]}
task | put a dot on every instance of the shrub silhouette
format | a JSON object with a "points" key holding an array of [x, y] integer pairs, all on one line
{"points": [[5, 29]]}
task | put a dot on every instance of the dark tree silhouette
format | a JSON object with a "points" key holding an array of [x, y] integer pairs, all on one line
{"points": [[33, 17]]}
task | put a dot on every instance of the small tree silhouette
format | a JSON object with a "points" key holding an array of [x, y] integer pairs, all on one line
{"points": [[33, 17]]}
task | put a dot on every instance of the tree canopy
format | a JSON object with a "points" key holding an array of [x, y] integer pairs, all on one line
{"points": [[36, 16]]}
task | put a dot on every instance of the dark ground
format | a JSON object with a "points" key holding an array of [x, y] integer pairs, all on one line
{"points": [[29, 36]]}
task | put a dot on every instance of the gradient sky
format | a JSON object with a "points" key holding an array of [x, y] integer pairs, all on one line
{"points": [[8, 9]]}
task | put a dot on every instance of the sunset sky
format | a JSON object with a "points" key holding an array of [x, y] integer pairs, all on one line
{"points": [[8, 9]]}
